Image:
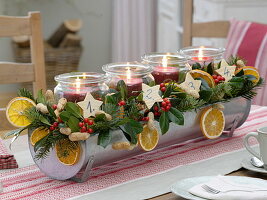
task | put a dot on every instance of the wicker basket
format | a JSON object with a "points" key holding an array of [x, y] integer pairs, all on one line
{"points": [[57, 61]]}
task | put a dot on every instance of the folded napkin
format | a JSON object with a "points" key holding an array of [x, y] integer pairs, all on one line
{"points": [[223, 184], [7, 160]]}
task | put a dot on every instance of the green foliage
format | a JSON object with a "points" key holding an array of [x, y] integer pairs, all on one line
{"points": [[176, 116], [73, 124], [122, 88], [73, 109], [41, 98], [43, 147], [164, 122], [132, 128], [37, 118], [104, 138], [25, 93]]}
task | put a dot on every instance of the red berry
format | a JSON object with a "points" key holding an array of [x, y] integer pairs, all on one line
{"points": [[157, 113], [220, 78], [122, 103], [163, 89], [55, 124], [216, 81], [85, 120], [52, 128], [59, 120], [168, 108], [81, 124], [90, 122], [162, 85], [83, 129], [90, 130], [156, 108], [163, 104], [223, 79], [168, 102], [163, 109], [143, 118], [214, 76], [147, 118], [165, 99], [54, 106]]}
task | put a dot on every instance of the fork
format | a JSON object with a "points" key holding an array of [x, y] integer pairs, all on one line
{"points": [[215, 191]]}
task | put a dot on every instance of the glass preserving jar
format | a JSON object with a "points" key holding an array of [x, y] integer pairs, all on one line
{"points": [[166, 66], [132, 73], [74, 86], [203, 55]]}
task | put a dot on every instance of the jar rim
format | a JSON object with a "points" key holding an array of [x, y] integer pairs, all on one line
{"points": [[207, 51], [156, 57], [84, 77], [121, 68]]}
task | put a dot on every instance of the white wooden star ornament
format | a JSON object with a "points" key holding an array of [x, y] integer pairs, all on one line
{"points": [[151, 95], [226, 71], [89, 105], [190, 84]]}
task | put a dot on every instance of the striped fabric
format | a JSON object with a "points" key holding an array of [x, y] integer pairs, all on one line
{"points": [[249, 40], [30, 183], [7, 161]]}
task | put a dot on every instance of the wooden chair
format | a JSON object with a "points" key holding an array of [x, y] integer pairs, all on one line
{"points": [[214, 29], [23, 72]]}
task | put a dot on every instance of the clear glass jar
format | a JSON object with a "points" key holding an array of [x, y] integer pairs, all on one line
{"points": [[166, 66], [132, 73], [203, 55], [74, 86]]}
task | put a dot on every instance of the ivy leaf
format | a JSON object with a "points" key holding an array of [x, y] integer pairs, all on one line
{"points": [[164, 122], [210, 68], [168, 91], [132, 128], [240, 73], [204, 84], [100, 118], [44, 120], [73, 109], [140, 97], [104, 138], [64, 115], [40, 97], [176, 116], [51, 112], [121, 86], [73, 124], [205, 94], [196, 66]]}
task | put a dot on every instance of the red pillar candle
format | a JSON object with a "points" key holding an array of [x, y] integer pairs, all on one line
{"points": [[165, 74]]}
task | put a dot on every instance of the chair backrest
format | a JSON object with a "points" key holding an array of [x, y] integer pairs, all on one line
{"points": [[23, 72], [214, 29]]}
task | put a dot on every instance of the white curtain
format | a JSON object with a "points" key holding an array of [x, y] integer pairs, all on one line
{"points": [[134, 29]]}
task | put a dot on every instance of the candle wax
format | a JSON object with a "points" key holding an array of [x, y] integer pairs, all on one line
{"points": [[165, 74], [134, 86], [74, 96]]}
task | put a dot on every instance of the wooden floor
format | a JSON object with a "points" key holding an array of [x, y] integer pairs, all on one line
{"points": [[241, 172]]}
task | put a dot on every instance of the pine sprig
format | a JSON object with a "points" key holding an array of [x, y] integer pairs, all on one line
{"points": [[37, 119], [25, 93], [189, 103], [44, 146]]}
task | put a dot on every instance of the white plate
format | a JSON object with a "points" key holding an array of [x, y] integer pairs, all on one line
{"points": [[247, 165], [181, 187]]}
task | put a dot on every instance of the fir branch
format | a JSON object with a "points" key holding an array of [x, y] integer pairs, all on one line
{"points": [[37, 119], [44, 146], [189, 103], [25, 93]]}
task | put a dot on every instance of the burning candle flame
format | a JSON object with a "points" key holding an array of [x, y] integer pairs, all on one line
{"points": [[200, 53], [128, 73], [84, 75], [78, 85]]}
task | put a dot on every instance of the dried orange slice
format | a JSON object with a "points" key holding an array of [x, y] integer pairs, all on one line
{"points": [[68, 152], [38, 134], [148, 139], [249, 70], [212, 122], [15, 111], [196, 73]]}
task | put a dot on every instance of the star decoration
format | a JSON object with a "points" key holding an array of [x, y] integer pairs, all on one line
{"points": [[89, 105], [151, 95], [190, 84], [226, 71]]}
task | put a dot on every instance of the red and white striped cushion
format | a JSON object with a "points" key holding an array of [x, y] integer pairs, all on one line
{"points": [[249, 40]]}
